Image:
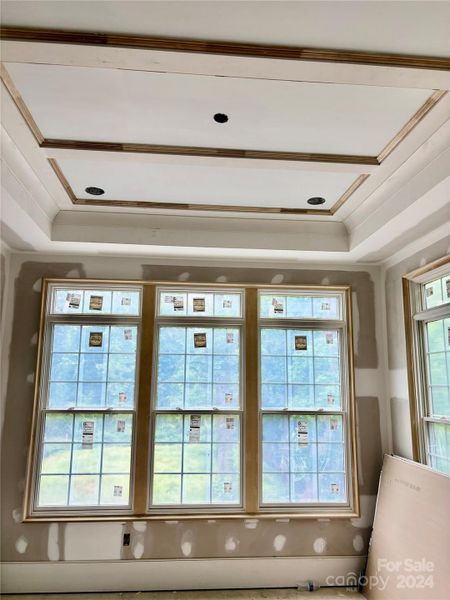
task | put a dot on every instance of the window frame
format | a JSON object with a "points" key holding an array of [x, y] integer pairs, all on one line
{"points": [[416, 317], [250, 425], [313, 324]]}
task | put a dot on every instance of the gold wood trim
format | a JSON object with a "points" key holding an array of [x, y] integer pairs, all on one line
{"points": [[62, 179], [206, 285], [193, 517], [20, 104], [411, 124], [33, 449], [251, 469], [410, 363], [201, 151], [352, 401], [440, 262], [143, 409], [225, 48], [348, 192]]}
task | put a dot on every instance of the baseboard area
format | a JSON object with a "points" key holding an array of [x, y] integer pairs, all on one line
{"points": [[185, 574]]}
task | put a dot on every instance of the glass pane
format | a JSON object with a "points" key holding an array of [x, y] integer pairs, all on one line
{"points": [[62, 395], [64, 367], [94, 338], [97, 302], [173, 304], [300, 369], [300, 306], [433, 293], [86, 446], [93, 367], [73, 301], [438, 368], [66, 338], [166, 489], [199, 368], [209, 444], [227, 305], [299, 452], [200, 304], [53, 490], [436, 336], [126, 302]]}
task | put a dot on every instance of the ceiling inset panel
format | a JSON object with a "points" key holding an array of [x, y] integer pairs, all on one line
{"points": [[114, 105], [135, 181]]}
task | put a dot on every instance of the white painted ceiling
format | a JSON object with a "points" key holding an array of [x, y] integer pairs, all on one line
{"points": [[408, 27], [169, 98], [139, 180], [115, 105]]}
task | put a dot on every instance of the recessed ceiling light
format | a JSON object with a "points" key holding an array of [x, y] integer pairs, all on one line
{"points": [[316, 200], [220, 118], [94, 191]]}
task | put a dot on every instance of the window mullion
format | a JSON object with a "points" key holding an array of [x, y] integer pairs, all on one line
{"points": [[141, 447], [251, 444]]}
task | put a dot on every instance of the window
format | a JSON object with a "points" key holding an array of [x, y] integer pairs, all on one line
{"points": [[428, 336], [174, 400]]}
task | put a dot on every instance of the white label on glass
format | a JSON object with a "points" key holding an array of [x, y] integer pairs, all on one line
{"points": [[73, 300], [333, 424], [118, 490], [230, 337], [227, 304], [302, 433], [120, 426], [227, 487], [429, 292], [123, 397], [329, 338], [125, 302], [334, 488], [194, 428], [87, 436], [229, 422], [178, 303], [277, 306], [228, 397], [330, 398], [326, 306], [128, 334]]}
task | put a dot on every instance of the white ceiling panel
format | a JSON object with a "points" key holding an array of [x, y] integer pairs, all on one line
{"points": [[141, 181], [161, 108], [410, 27]]}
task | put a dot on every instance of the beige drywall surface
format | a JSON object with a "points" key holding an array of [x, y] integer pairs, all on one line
{"points": [[239, 538], [397, 380]]}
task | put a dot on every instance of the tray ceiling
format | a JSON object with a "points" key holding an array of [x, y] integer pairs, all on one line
{"points": [[111, 105], [135, 117]]}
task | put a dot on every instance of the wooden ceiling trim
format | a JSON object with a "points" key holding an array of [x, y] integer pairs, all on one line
{"points": [[429, 104], [200, 151], [225, 48]]}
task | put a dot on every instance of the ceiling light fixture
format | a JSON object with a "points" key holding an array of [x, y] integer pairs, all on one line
{"points": [[94, 191], [220, 118], [316, 200]]}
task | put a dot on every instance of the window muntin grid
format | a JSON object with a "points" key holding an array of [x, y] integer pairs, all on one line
{"points": [[436, 292], [200, 303], [304, 454], [197, 399], [300, 305], [87, 402]]}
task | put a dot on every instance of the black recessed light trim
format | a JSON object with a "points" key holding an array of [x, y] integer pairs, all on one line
{"points": [[94, 191], [316, 200], [220, 118]]}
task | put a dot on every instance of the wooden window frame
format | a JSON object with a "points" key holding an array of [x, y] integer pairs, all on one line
{"points": [[416, 315], [142, 446]]}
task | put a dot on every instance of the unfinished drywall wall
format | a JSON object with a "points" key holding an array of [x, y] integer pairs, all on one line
{"points": [[398, 382], [208, 538]]}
